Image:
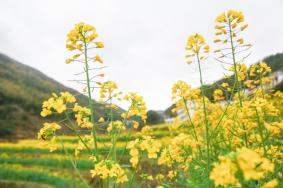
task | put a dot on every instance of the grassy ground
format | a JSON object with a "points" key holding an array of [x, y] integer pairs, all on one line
{"points": [[27, 164], [19, 184]]}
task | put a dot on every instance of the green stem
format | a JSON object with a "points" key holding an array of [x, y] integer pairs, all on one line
{"points": [[205, 114], [114, 146], [261, 133], [107, 182], [235, 64], [224, 113], [76, 132], [114, 138], [236, 78], [135, 171], [132, 179], [190, 119], [127, 137], [90, 99], [261, 86], [74, 166]]}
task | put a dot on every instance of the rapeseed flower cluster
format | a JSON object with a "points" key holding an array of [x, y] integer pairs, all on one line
{"points": [[223, 174], [57, 104], [82, 116], [109, 169], [177, 151], [261, 69], [231, 138], [47, 136], [253, 166], [148, 144], [116, 126], [109, 91], [246, 161], [230, 23], [196, 46], [242, 71], [218, 95], [184, 96], [48, 131], [78, 37], [137, 106]]}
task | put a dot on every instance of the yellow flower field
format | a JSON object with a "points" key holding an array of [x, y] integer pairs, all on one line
{"points": [[233, 140]]}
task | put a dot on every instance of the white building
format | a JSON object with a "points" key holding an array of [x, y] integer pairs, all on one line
{"points": [[278, 77], [182, 114]]}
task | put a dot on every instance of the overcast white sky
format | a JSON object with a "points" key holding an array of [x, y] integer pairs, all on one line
{"points": [[144, 40]]}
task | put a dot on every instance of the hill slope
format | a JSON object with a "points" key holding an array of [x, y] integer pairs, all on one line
{"points": [[22, 90], [275, 62]]}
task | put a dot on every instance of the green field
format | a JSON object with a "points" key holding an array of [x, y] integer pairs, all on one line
{"points": [[27, 164]]}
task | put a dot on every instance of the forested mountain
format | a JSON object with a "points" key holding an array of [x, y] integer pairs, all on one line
{"points": [[22, 90]]}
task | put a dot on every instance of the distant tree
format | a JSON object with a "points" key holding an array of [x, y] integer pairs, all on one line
{"points": [[168, 112], [154, 117], [279, 87]]}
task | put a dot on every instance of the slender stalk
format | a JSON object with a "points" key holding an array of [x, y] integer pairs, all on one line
{"points": [[135, 172], [131, 180], [261, 132], [205, 114], [108, 182], [127, 137], [235, 64], [90, 99], [236, 78], [114, 135], [261, 85], [74, 165], [114, 146], [225, 111], [190, 119], [76, 132]]}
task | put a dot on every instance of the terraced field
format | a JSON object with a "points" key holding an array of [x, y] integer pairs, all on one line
{"points": [[26, 163]]}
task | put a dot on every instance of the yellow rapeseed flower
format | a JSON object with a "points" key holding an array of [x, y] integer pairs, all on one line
{"points": [[196, 47], [253, 166], [48, 131], [218, 95], [271, 184], [109, 169], [223, 173], [97, 58]]}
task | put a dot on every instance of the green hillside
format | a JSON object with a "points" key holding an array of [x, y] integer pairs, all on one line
{"points": [[22, 90], [275, 62]]}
